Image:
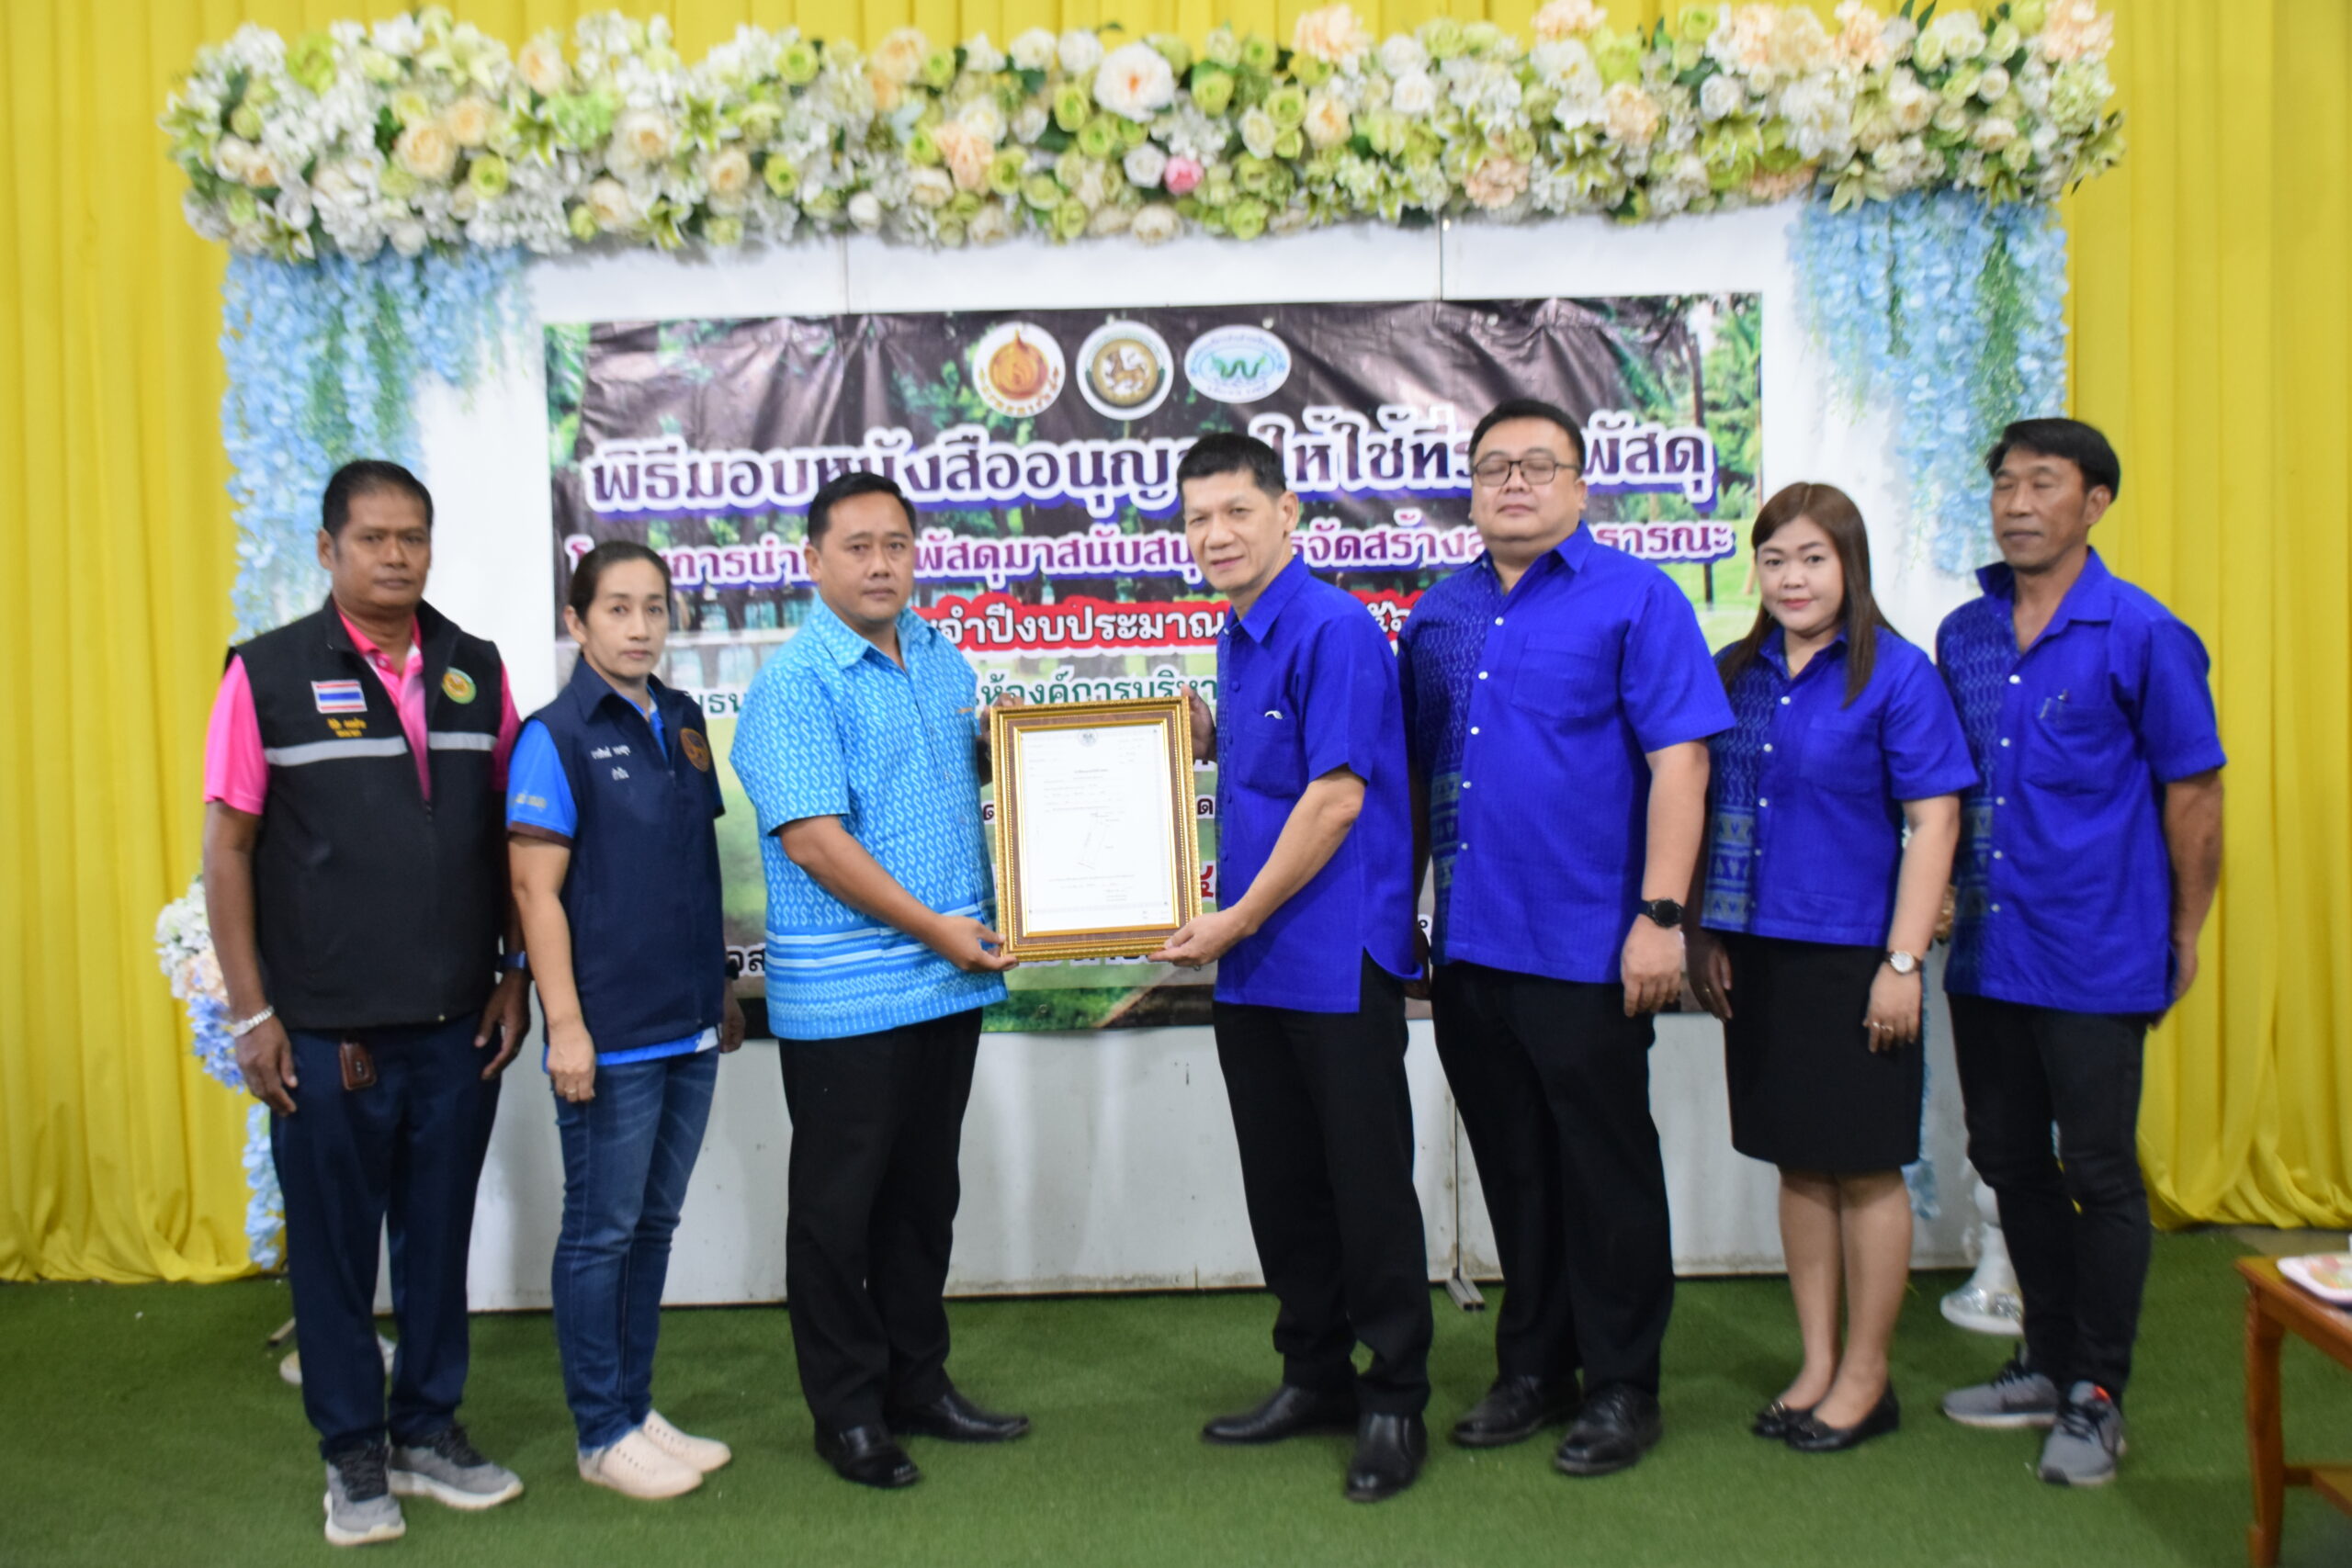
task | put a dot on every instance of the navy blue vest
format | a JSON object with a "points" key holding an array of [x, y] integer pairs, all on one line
{"points": [[648, 954]]}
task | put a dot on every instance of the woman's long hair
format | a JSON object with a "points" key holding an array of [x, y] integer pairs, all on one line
{"points": [[1834, 512]]}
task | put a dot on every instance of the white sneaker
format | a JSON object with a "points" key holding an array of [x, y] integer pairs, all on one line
{"points": [[706, 1454], [636, 1467]]}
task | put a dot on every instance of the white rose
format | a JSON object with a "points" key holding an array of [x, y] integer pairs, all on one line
{"points": [[1080, 51], [1155, 224], [1414, 96], [1403, 53], [929, 187], [986, 120], [1994, 133], [983, 57], [899, 57], [1327, 120], [1721, 96], [1109, 221], [865, 212], [1259, 133], [1994, 84], [1143, 165], [1030, 122], [990, 225], [1566, 19], [644, 135], [614, 208], [334, 187], [230, 155], [728, 175], [293, 209], [542, 66], [1033, 51], [427, 151], [408, 237], [1134, 80], [465, 201]]}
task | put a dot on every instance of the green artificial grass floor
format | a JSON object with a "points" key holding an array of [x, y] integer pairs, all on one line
{"points": [[147, 1425]]}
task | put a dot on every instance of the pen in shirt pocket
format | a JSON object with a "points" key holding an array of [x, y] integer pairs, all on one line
{"points": [[2053, 704]]}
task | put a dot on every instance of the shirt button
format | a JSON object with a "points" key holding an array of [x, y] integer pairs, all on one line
{"points": [[1466, 783], [1763, 803], [2015, 680], [1784, 702], [1768, 745], [1996, 909], [1998, 855], [2004, 740], [1499, 620], [2000, 800], [1474, 729], [1482, 676]]}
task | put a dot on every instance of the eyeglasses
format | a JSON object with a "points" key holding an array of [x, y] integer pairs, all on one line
{"points": [[1537, 468]]}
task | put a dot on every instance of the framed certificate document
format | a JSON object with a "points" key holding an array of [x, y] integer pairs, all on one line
{"points": [[1095, 849]]}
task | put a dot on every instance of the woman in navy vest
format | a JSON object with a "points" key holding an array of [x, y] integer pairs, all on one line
{"points": [[610, 801], [1833, 811]]}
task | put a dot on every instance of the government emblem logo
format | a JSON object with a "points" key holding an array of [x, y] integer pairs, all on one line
{"points": [[1125, 370], [696, 748], [1236, 363], [457, 686], [1017, 369]]}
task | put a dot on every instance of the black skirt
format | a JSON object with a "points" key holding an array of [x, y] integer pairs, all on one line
{"points": [[1807, 1093]]}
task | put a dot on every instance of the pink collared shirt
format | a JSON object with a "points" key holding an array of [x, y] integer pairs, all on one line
{"points": [[237, 774]]}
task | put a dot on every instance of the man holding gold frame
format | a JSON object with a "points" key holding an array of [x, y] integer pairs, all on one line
{"points": [[1313, 949]]}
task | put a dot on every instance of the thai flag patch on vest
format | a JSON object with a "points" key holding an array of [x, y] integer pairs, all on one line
{"points": [[339, 697]]}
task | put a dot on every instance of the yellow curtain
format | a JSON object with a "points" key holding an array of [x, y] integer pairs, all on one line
{"points": [[2211, 338]]}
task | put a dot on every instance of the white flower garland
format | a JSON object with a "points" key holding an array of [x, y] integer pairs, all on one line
{"points": [[422, 131]]}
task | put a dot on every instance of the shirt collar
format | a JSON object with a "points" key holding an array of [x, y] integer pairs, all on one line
{"points": [[589, 690], [2092, 598], [1269, 604], [842, 643], [367, 649], [1775, 649], [1572, 553]]}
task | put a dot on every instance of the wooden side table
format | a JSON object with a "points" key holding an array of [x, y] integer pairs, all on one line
{"points": [[2276, 1307]]}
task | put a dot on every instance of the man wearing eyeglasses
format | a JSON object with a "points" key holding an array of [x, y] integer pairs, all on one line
{"points": [[1558, 696]]}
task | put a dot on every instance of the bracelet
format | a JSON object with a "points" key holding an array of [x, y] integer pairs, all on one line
{"points": [[245, 1026]]}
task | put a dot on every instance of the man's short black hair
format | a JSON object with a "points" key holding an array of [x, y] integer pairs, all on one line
{"points": [[368, 476], [2068, 439], [1230, 452], [1530, 408], [841, 487]]}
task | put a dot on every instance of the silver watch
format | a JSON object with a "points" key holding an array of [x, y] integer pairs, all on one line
{"points": [[1902, 963]]}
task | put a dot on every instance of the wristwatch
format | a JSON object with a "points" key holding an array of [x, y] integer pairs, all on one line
{"points": [[517, 960], [1902, 963], [1663, 912]]}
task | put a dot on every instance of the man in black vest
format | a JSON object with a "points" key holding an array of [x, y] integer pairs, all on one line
{"points": [[355, 869]]}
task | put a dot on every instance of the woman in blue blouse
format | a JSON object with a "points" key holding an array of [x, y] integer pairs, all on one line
{"points": [[1833, 814]]}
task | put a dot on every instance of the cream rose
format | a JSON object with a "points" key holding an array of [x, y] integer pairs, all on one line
{"points": [[728, 174], [1332, 35], [990, 225], [1414, 95], [409, 237], [1327, 120], [931, 188], [1569, 18], [643, 135], [1630, 115], [1109, 221], [1403, 53], [468, 121], [1721, 96], [1143, 165], [427, 151], [615, 209], [542, 66], [1498, 180], [1136, 80], [865, 212], [1080, 52], [1155, 224], [1033, 51], [1994, 133], [964, 152], [899, 57]]}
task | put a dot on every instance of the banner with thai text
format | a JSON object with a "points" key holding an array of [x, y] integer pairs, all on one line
{"points": [[1040, 450]]}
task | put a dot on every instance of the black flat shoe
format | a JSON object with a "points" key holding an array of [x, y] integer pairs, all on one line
{"points": [[956, 1419], [867, 1455], [1514, 1410], [1808, 1436], [1616, 1427], [1775, 1419], [1290, 1412], [1389, 1452]]}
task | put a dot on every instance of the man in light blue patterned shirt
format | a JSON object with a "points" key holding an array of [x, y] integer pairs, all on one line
{"points": [[858, 746]]}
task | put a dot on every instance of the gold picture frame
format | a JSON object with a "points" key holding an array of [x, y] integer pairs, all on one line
{"points": [[1128, 805]]}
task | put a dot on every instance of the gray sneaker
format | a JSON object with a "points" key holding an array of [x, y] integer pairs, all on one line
{"points": [[2017, 1396], [448, 1470], [360, 1508], [2083, 1447]]}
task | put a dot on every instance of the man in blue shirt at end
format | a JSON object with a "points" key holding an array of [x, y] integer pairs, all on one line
{"points": [[1312, 952], [2091, 850], [1558, 698], [858, 745]]}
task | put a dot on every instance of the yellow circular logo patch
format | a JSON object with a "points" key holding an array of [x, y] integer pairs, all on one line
{"points": [[457, 686], [696, 748]]}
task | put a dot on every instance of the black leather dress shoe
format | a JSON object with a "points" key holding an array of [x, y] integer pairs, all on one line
{"points": [[1290, 1412], [956, 1419], [1775, 1419], [1808, 1435], [1514, 1410], [867, 1455], [1389, 1452], [1615, 1427]]}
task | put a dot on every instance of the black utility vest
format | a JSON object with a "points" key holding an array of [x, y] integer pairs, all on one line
{"points": [[642, 893], [372, 905]]}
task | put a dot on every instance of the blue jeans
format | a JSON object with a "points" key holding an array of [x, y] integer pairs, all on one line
{"points": [[627, 1158]]}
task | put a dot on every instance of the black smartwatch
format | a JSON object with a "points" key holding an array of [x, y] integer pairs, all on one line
{"points": [[1663, 912]]}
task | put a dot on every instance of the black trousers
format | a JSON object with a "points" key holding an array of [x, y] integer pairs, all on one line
{"points": [[404, 1155], [2075, 1214], [1324, 1123], [877, 1123], [1552, 1081]]}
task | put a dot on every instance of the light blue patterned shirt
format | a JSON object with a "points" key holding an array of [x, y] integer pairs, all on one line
{"points": [[832, 727]]}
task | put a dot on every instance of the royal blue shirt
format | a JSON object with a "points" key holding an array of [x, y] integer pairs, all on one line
{"points": [[832, 726], [539, 795], [1307, 684], [2065, 881], [1805, 791], [1530, 716]]}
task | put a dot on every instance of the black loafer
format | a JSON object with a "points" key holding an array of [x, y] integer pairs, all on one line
{"points": [[1808, 1435], [1613, 1432], [1389, 1452], [867, 1455], [1514, 1410], [956, 1419], [1775, 1419], [1290, 1412]]}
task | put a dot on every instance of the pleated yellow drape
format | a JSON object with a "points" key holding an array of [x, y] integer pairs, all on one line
{"points": [[2212, 339]]}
